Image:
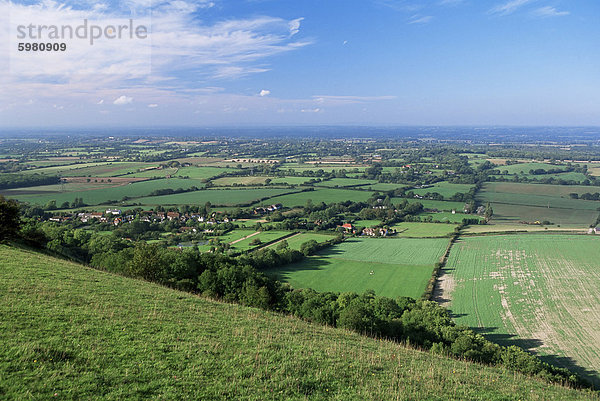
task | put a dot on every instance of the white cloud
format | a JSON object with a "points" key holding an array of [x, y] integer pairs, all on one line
{"points": [[294, 26], [418, 19], [183, 51], [545, 12], [510, 7], [122, 100], [264, 93], [152, 105], [315, 110]]}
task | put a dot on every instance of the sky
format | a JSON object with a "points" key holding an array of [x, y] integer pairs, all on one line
{"points": [[301, 62]]}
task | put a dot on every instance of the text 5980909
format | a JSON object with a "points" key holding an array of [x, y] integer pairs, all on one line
{"points": [[41, 47]]}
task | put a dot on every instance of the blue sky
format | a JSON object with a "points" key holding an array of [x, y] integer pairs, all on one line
{"points": [[284, 62]]}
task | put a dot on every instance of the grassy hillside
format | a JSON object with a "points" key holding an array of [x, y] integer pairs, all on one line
{"points": [[68, 332]]}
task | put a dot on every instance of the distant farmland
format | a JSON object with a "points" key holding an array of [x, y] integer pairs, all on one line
{"points": [[390, 267], [542, 289]]}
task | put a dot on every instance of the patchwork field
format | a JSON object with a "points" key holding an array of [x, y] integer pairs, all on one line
{"points": [[321, 195], [217, 197], [94, 193], [538, 291], [424, 230], [390, 267]]}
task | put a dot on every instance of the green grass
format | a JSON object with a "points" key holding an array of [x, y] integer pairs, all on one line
{"points": [[227, 197], [424, 230], [321, 195], [541, 289], [68, 333], [401, 267], [345, 182], [263, 236], [290, 180], [434, 204], [449, 217], [523, 168], [366, 223], [296, 241], [445, 189]]}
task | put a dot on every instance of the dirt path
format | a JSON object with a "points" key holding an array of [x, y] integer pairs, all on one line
{"points": [[443, 288], [243, 238]]}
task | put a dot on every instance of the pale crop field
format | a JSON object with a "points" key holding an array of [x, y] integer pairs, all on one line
{"points": [[539, 291]]}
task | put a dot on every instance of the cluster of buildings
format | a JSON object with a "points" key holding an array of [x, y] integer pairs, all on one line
{"points": [[259, 211], [369, 231], [117, 217]]}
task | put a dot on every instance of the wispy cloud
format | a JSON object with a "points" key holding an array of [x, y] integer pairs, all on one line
{"points": [[509, 7], [182, 52], [548, 11], [420, 19]]}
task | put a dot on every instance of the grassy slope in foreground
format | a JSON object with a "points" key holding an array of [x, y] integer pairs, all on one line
{"points": [[68, 332]]}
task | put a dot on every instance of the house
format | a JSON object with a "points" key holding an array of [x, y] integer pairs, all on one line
{"points": [[349, 228], [172, 215], [114, 212]]}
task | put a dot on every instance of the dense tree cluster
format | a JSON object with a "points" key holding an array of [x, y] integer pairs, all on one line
{"points": [[8, 181]]}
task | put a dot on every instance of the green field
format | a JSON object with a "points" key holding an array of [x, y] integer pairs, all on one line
{"points": [[202, 172], [445, 189], [295, 241], [321, 195], [390, 267], [69, 333], [549, 196], [366, 223], [434, 204], [514, 202], [524, 168], [68, 192], [230, 197], [424, 230], [290, 180], [345, 182], [449, 217], [539, 291], [229, 181], [382, 186]]}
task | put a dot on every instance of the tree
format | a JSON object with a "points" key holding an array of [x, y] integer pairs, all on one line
{"points": [[10, 218], [489, 212]]}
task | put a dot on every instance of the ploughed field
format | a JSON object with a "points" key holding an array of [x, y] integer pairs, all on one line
{"points": [[389, 266], [539, 291]]}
